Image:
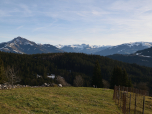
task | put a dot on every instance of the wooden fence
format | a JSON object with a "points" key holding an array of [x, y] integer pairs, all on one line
{"points": [[130, 100]]}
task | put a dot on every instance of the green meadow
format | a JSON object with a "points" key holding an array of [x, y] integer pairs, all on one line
{"points": [[65, 100], [51, 100]]}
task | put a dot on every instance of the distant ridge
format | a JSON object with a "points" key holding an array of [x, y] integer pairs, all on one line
{"points": [[142, 57], [127, 48], [23, 46], [83, 48]]}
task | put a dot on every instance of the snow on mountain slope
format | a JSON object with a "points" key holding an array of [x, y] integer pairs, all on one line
{"points": [[145, 53], [83, 48], [142, 57], [24, 46], [126, 48], [144, 44]]}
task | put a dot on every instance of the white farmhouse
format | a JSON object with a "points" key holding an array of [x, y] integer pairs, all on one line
{"points": [[51, 76]]}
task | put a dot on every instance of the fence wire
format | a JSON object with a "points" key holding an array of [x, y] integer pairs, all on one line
{"points": [[130, 100]]}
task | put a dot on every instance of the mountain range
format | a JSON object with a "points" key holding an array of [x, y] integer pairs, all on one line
{"points": [[137, 52], [83, 48], [24, 46], [127, 48]]}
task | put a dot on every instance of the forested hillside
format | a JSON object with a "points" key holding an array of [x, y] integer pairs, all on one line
{"points": [[142, 57], [69, 65]]}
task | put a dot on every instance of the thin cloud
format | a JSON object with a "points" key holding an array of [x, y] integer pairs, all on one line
{"points": [[44, 28], [19, 27], [74, 20]]}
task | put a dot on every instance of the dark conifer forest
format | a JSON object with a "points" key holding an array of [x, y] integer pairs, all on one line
{"points": [[70, 65]]}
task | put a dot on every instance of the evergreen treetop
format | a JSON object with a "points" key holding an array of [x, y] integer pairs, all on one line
{"points": [[2, 72], [119, 77], [97, 77]]}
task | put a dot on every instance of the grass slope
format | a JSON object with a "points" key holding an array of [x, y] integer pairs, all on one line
{"points": [[50, 100], [139, 103]]}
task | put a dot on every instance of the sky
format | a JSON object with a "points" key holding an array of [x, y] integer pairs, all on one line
{"points": [[67, 22]]}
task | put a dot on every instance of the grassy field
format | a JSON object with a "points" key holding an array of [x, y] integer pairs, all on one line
{"points": [[139, 104], [50, 100]]}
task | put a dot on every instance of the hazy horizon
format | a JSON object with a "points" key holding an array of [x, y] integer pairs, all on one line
{"points": [[73, 44]]}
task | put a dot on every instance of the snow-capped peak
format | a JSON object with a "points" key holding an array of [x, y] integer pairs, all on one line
{"points": [[21, 41], [60, 46], [145, 44], [82, 46]]}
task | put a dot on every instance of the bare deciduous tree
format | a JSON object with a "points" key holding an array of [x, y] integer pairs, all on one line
{"points": [[78, 81], [62, 81], [11, 74], [106, 84]]}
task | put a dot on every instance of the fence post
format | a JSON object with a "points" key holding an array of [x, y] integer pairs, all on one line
{"points": [[124, 103], [120, 98], [127, 91], [143, 104], [118, 95], [121, 94], [114, 92], [135, 102], [129, 103]]}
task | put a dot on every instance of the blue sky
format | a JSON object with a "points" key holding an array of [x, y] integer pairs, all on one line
{"points": [[95, 22]]}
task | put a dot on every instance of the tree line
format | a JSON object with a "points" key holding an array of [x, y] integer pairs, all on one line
{"points": [[72, 65]]}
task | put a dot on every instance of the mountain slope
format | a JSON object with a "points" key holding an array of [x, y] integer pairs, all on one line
{"points": [[83, 48], [142, 57], [126, 48], [145, 52], [24, 46]]}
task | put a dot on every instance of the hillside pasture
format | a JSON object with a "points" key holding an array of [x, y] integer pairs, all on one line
{"points": [[50, 100]]}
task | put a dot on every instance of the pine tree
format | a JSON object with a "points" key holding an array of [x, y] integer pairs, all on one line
{"points": [[120, 77], [124, 78], [2, 72], [97, 77], [116, 77]]}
